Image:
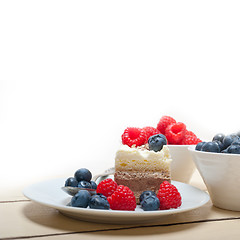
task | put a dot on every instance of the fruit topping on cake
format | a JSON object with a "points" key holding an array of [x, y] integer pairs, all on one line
{"points": [[156, 142]]}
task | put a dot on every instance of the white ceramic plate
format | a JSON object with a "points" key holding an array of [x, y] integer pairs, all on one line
{"points": [[49, 193]]}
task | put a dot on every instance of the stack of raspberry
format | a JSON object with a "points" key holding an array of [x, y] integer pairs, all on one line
{"points": [[119, 197], [122, 198], [175, 132]]}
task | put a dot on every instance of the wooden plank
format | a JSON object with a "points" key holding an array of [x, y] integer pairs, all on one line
{"points": [[30, 219], [214, 230]]}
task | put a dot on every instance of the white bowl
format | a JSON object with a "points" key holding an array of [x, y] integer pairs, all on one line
{"points": [[221, 174], [182, 167]]}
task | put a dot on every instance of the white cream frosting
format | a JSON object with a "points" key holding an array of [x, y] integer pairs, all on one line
{"points": [[138, 159]]}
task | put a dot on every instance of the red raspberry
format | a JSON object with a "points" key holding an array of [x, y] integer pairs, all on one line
{"points": [[169, 196], [107, 187], [190, 138], [164, 122], [150, 131], [122, 199], [175, 132], [133, 136]]}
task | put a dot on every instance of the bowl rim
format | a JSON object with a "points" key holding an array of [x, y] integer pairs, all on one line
{"points": [[178, 145]]}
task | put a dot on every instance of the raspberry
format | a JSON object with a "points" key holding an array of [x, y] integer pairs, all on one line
{"points": [[169, 196], [175, 132], [122, 199], [164, 122], [190, 138], [150, 131], [107, 187], [133, 136]]}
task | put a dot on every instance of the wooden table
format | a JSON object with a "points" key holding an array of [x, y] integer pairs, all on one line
{"points": [[22, 219]]}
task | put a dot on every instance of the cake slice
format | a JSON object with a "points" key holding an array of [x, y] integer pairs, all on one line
{"points": [[141, 169]]}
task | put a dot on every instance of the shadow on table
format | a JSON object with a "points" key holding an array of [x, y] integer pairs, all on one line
{"points": [[52, 219]]}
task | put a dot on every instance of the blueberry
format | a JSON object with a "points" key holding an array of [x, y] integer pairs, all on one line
{"points": [[218, 137], [81, 199], [145, 194], [99, 201], [156, 142], [227, 140], [83, 174], [150, 203], [84, 184], [71, 182], [210, 147], [93, 185], [220, 144], [234, 149], [199, 146], [236, 142]]}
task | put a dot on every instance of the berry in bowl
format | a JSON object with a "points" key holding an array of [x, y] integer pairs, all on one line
{"points": [[222, 143], [218, 162], [167, 132], [179, 138]]}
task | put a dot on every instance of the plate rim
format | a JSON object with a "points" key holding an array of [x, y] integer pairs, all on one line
{"points": [[120, 213]]}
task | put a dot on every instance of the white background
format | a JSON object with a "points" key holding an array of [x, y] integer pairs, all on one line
{"points": [[75, 74]]}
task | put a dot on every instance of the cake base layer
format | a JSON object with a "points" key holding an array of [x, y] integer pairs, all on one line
{"points": [[141, 181]]}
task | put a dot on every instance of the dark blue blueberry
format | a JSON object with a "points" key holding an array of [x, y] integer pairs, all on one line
{"points": [[233, 149], [81, 199], [156, 142], [93, 185], [71, 182], [218, 137], [199, 146], [83, 174], [145, 194], [237, 142], [227, 141], [84, 184], [99, 201], [220, 144], [210, 147], [150, 203], [101, 195]]}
